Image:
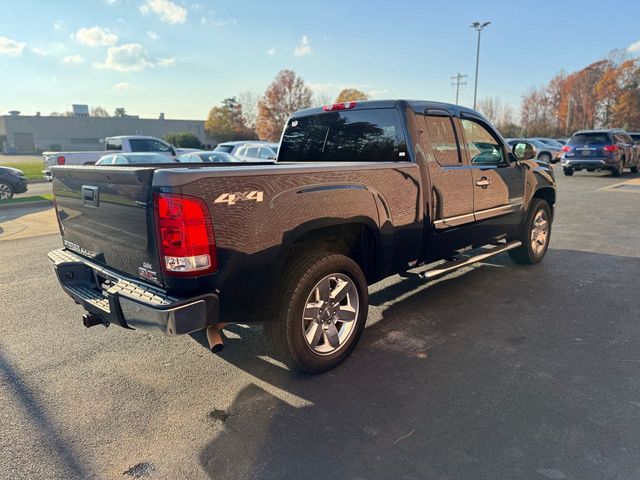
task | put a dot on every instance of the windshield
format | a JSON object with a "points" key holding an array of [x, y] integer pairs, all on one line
{"points": [[224, 148], [374, 135], [151, 158]]}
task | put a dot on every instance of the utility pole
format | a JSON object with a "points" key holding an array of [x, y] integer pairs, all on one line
{"points": [[457, 82], [478, 26]]}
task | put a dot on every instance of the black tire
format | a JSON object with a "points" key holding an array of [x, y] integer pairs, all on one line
{"points": [[634, 169], [616, 172], [544, 157], [568, 171], [286, 331], [6, 191], [525, 253]]}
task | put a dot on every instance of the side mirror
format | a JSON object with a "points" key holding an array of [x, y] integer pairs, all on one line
{"points": [[524, 151]]}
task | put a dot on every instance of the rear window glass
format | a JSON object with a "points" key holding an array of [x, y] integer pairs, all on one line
{"points": [[346, 136], [590, 138], [224, 148], [635, 137], [113, 144]]}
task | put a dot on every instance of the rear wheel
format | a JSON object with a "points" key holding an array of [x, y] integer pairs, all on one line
{"points": [[568, 171], [6, 191], [616, 172], [544, 157], [634, 169], [535, 234], [321, 312]]}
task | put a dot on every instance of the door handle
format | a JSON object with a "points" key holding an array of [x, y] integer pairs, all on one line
{"points": [[484, 182]]}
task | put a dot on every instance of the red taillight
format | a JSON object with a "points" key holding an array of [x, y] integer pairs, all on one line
{"points": [[185, 235], [61, 160], [339, 106], [610, 148], [566, 148]]}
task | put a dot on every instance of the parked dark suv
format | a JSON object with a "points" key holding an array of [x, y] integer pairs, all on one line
{"points": [[593, 150]]}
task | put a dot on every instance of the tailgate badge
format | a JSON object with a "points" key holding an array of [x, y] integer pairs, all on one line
{"points": [[145, 272]]}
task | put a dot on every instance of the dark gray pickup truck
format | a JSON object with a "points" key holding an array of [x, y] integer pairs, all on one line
{"points": [[359, 192]]}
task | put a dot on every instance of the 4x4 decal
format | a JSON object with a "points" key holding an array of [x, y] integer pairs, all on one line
{"points": [[232, 198]]}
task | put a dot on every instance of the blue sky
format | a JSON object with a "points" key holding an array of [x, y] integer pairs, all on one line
{"points": [[181, 57]]}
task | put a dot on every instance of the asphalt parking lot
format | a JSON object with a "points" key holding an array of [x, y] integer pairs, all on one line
{"points": [[497, 372]]}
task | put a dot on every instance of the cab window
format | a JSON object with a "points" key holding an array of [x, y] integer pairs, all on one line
{"points": [[482, 146], [444, 144]]}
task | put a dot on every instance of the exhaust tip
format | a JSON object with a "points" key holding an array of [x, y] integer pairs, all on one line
{"points": [[216, 344]]}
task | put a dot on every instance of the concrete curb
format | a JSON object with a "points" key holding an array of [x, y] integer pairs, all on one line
{"points": [[36, 203]]}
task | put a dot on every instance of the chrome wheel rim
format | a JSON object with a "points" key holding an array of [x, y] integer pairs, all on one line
{"points": [[539, 232], [330, 314], [5, 191]]}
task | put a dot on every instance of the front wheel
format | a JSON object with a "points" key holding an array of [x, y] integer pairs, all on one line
{"points": [[634, 169], [535, 234], [568, 171], [321, 312], [6, 191], [544, 157]]}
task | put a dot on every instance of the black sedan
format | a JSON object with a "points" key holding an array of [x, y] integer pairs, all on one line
{"points": [[12, 181]]}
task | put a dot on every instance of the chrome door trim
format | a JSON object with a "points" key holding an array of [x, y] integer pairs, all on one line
{"points": [[497, 211], [454, 221]]}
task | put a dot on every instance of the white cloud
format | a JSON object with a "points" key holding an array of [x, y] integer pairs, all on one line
{"points": [[303, 48], [38, 51], [122, 86], [111, 2], [212, 18], [58, 25], [73, 59], [634, 47], [11, 47], [153, 35], [377, 93], [95, 37], [270, 51], [168, 11], [130, 57], [166, 62]]}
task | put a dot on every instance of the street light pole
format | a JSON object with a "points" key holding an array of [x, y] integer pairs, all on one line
{"points": [[478, 26]]}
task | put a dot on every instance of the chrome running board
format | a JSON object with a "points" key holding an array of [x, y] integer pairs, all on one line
{"points": [[449, 267]]}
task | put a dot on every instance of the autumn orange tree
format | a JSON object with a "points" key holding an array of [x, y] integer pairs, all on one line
{"points": [[286, 94], [351, 95], [604, 94], [226, 122]]}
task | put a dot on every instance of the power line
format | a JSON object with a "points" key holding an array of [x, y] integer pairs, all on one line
{"points": [[457, 82]]}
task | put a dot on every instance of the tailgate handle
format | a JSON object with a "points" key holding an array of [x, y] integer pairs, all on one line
{"points": [[90, 196]]}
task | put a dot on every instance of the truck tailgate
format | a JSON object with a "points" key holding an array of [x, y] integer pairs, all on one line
{"points": [[106, 214]]}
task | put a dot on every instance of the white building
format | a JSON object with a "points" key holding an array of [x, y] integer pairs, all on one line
{"points": [[25, 134]]}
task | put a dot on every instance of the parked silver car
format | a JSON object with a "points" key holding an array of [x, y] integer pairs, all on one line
{"points": [[133, 158], [546, 153], [257, 152]]}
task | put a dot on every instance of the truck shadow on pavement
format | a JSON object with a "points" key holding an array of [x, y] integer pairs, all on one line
{"points": [[505, 371], [62, 449]]}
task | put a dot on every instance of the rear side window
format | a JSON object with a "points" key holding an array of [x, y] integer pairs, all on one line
{"points": [[374, 135], [147, 145], [252, 152], [443, 140], [595, 138], [113, 144]]}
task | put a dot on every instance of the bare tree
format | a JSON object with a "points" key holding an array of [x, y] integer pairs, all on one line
{"points": [[248, 101], [99, 112]]}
